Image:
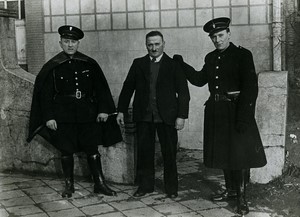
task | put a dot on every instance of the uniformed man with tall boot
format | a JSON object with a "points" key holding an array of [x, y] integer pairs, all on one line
{"points": [[70, 108], [231, 138]]}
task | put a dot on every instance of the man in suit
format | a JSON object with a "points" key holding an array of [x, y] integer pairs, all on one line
{"points": [[161, 105], [231, 138]]}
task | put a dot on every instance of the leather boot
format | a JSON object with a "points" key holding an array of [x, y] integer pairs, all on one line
{"points": [[100, 186], [242, 180], [67, 163]]}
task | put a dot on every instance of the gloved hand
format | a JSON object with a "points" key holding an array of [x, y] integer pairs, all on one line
{"points": [[241, 127], [178, 58]]}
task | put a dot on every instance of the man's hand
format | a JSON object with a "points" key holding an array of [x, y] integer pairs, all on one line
{"points": [[178, 58], [102, 117], [51, 124], [120, 119], [179, 124]]}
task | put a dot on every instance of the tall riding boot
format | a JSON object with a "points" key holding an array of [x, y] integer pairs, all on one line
{"points": [[100, 186], [67, 163], [229, 193], [242, 177]]}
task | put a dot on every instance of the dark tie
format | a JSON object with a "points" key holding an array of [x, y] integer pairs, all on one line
{"points": [[153, 60]]}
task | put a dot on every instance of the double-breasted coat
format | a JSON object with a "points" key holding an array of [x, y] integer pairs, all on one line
{"points": [[231, 137]]}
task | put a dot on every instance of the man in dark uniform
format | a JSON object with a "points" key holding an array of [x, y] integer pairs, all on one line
{"points": [[70, 96], [161, 104], [231, 138]]}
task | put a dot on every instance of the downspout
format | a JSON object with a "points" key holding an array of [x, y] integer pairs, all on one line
{"points": [[277, 30]]}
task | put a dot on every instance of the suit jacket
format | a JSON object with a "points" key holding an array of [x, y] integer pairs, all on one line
{"points": [[172, 92]]}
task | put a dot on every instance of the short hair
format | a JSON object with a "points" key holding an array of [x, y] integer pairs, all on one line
{"points": [[155, 33]]}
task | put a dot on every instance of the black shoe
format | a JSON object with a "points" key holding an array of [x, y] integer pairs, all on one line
{"points": [[141, 193], [104, 189], [172, 196], [225, 196]]}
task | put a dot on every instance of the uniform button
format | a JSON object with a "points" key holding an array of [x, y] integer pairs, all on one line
{"points": [[217, 77], [217, 67], [61, 77], [219, 57], [87, 75], [70, 61], [76, 84], [76, 78], [217, 87], [75, 73]]}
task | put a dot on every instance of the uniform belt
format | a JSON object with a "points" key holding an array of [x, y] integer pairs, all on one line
{"points": [[220, 97], [224, 98], [77, 95]]}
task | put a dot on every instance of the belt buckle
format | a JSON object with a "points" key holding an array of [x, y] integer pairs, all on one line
{"points": [[217, 97], [78, 94]]}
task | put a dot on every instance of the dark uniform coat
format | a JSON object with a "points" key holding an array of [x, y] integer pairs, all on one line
{"points": [[172, 94], [54, 97], [231, 137]]}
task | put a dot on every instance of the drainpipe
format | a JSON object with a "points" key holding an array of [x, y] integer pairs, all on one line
{"points": [[277, 28]]}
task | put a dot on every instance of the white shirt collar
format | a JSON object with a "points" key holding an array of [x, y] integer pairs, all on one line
{"points": [[157, 58]]}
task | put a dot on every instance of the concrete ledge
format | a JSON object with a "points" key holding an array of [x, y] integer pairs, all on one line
{"points": [[271, 110]]}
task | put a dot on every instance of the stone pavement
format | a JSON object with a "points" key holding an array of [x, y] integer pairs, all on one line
{"points": [[38, 196]]}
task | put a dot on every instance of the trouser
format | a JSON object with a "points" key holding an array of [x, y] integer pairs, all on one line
{"points": [[168, 139]]}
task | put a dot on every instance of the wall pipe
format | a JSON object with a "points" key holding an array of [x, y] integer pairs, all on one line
{"points": [[277, 32]]}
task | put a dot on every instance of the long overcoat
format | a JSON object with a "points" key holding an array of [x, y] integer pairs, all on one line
{"points": [[226, 145]]}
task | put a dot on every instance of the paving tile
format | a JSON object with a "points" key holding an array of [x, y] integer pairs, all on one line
{"points": [[260, 214], [171, 208], [120, 196], [46, 197], [24, 210], [3, 213], [8, 187], [20, 201], [84, 193], [217, 213], [126, 205], [86, 201], [11, 194], [97, 209], [11, 180], [30, 184], [56, 205], [199, 204], [113, 214], [38, 215], [67, 213], [147, 212], [123, 187], [61, 186], [156, 199], [188, 214], [39, 190]]}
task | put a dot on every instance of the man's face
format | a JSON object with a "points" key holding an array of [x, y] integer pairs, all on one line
{"points": [[69, 46], [155, 45], [221, 39]]}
